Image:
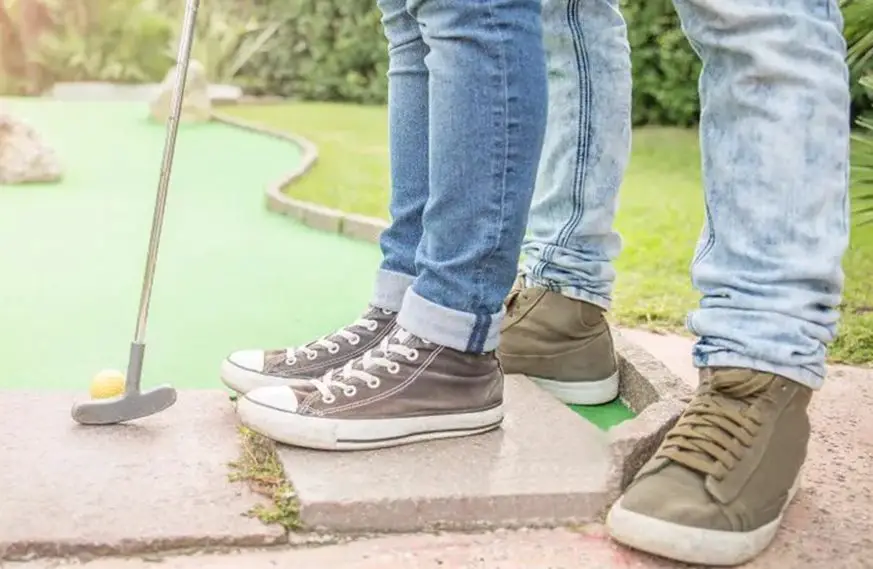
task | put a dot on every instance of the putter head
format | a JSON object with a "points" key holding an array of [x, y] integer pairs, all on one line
{"points": [[132, 405]]}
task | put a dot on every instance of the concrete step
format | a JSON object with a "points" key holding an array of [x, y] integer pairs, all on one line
{"points": [[160, 483], [546, 465]]}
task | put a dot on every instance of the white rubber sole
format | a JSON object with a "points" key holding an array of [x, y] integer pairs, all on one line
{"points": [[581, 392], [243, 380], [692, 545], [343, 434]]}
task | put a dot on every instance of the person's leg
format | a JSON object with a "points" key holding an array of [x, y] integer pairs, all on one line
{"points": [[409, 140], [555, 331], [488, 102], [246, 370], [437, 376], [775, 139]]}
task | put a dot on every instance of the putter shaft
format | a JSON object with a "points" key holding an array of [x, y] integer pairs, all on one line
{"points": [[134, 403], [183, 58]]}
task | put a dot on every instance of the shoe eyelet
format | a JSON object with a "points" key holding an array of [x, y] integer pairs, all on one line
{"points": [[372, 326], [387, 312], [374, 384], [290, 361], [351, 391], [329, 399], [394, 368], [311, 356], [413, 355], [355, 340], [333, 349]]}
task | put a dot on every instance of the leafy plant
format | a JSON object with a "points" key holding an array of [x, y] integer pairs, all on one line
{"points": [[858, 15], [226, 39], [859, 38], [328, 50], [105, 40], [664, 66], [862, 164]]}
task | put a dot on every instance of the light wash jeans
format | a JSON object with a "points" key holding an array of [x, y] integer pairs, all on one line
{"points": [[775, 136], [467, 104]]}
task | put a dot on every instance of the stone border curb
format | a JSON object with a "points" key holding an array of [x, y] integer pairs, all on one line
{"points": [[312, 215], [656, 395]]}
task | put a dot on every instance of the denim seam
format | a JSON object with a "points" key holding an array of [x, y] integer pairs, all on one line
{"points": [[710, 236], [480, 328], [579, 206], [479, 333], [707, 245], [582, 148]]}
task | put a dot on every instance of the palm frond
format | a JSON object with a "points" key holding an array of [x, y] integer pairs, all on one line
{"points": [[862, 164]]}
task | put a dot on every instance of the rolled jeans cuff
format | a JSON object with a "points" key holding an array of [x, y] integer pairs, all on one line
{"points": [[389, 289], [448, 327]]}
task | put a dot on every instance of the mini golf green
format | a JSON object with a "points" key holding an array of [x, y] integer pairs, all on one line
{"points": [[230, 274]]}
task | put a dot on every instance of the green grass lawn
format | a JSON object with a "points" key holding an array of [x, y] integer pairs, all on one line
{"points": [[660, 216]]}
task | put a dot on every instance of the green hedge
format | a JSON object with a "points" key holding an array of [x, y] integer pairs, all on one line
{"points": [[334, 50], [328, 50]]}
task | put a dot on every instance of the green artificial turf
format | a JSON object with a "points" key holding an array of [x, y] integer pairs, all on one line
{"points": [[230, 274]]}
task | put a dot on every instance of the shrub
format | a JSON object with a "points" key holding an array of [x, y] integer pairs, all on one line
{"points": [[329, 50], [104, 40], [665, 68], [227, 36]]}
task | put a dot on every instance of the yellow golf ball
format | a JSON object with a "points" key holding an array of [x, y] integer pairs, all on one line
{"points": [[108, 383]]}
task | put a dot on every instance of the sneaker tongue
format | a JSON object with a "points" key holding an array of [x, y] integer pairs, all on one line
{"points": [[401, 336]]}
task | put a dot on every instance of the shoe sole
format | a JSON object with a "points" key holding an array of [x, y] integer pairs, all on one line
{"points": [[696, 546], [361, 434], [243, 380], [581, 392]]}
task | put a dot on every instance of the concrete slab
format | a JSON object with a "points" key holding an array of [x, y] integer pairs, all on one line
{"points": [[671, 350], [656, 394], [546, 465], [156, 484]]}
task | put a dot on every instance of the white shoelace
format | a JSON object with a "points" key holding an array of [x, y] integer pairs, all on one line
{"points": [[378, 357], [331, 346]]}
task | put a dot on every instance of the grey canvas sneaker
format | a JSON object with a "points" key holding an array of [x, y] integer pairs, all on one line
{"points": [[716, 489], [245, 370], [563, 344], [404, 391]]}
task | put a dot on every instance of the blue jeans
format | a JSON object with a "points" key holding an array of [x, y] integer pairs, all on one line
{"points": [[774, 133], [467, 111]]}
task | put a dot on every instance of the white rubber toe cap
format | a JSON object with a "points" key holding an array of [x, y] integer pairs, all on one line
{"points": [[278, 398], [242, 371], [251, 360]]}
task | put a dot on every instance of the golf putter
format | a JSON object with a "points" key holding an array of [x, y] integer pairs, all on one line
{"points": [[135, 403]]}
